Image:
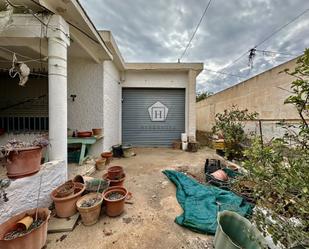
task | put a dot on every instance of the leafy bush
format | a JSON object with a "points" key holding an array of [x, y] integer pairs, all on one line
{"points": [[230, 124]]}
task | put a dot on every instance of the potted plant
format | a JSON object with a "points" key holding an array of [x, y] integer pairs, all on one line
{"points": [[33, 235], [114, 198], [23, 158]]}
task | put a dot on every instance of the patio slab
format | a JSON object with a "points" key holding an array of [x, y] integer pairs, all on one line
{"points": [[149, 221]]}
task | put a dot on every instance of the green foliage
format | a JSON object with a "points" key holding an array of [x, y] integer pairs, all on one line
{"points": [[203, 95], [280, 171], [230, 124]]}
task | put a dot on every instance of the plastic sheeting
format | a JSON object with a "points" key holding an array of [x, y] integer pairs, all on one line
{"points": [[201, 203]]}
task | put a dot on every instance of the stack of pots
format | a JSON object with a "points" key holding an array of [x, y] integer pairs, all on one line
{"points": [[108, 157], [184, 140], [115, 175], [115, 196]]}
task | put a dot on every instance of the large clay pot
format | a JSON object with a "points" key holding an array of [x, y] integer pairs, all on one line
{"points": [[97, 131], [90, 215], [24, 162], [236, 232], [115, 207], [66, 206], [36, 239]]}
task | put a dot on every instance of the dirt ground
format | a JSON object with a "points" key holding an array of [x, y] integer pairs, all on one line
{"points": [[149, 221]]}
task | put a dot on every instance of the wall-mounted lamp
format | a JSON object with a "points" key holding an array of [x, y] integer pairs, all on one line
{"points": [[73, 96]]}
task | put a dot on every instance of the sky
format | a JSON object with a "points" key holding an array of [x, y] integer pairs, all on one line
{"points": [[159, 30]]}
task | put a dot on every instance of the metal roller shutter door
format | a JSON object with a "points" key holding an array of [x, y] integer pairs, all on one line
{"points": [[152, 117]]}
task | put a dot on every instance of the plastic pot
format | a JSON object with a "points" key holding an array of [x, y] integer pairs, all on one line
{"points": [[66, 206], [35, 239], [115, 172], [24, 162], [117, 150], [236, 232], [118, 182], [90, 215], [115, 207]]}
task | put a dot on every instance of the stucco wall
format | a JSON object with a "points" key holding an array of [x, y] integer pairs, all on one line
{"points": [[144, 79], [85, 80], [263, 93], [112, 105], [23, 192]]}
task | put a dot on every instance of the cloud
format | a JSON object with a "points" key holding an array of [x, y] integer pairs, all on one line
{"points": [[158, 31]]}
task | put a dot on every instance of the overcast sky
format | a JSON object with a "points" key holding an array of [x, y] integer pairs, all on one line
{"points": [[159, 30]]}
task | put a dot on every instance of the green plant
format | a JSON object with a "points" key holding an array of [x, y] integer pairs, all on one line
{"points": [[280, 171], [203, 95], [230, 124]]}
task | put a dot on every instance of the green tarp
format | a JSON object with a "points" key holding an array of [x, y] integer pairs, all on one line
{"points": [[201, 203]]}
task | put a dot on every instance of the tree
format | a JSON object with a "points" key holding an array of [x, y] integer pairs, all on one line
{"points": [[203, 95]]}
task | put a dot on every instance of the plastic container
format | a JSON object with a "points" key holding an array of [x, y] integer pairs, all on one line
{"points": [[117, 150], [90, 215], [184, 137], [184, 146], [236, 232]]}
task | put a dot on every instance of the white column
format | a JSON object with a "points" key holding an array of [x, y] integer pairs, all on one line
{"points": [[191, 98], [58, 41]]}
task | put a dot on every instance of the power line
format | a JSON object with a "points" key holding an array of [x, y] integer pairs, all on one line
{"points": [[23, 56], [282, 27], [198, 25], [218, 72], [275, 52], [267, 37]]}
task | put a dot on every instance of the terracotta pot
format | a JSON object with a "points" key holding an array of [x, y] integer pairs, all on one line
{"points": [[115, 172], [100, 164], [65, 189], [108, 156], [66, 206], [90, 215], [97, 131], [118, 182], [24, 162], [36, 239], [84, 133], [115, 207]]}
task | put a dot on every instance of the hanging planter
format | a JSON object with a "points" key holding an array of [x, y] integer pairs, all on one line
{"points": [[23, 159], [236, 232], [32, 234]]}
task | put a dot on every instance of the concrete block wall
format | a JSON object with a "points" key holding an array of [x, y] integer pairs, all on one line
{"points": [[264, 93], [85, 80], [112, 105]]}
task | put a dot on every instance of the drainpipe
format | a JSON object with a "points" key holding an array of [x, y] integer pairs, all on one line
{"points": [[58, 41], [191, 103]]}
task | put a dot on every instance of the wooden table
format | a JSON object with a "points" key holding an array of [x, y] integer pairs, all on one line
{"points": [[86, 142]]}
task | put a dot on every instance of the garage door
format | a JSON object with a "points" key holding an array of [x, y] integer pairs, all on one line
{"points": [[152, 117]]}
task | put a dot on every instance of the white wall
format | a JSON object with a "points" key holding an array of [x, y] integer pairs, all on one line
{"points": [[23, 192], [112, 105], [85, 79]]}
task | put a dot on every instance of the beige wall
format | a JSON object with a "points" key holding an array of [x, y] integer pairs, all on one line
{"points": [[263, 93]]}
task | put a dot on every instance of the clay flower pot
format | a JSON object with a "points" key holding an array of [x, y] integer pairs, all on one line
{"points": [[108, 155], [118, 182], [100, 164], [65, 189], [115, 172], [90, 213], [66, 206], [24, 162], [97, 131], [34, 239], [84, 133], [115, 205]]}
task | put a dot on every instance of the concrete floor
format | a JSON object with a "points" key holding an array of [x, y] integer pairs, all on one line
{"points": [[149, 222]]}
